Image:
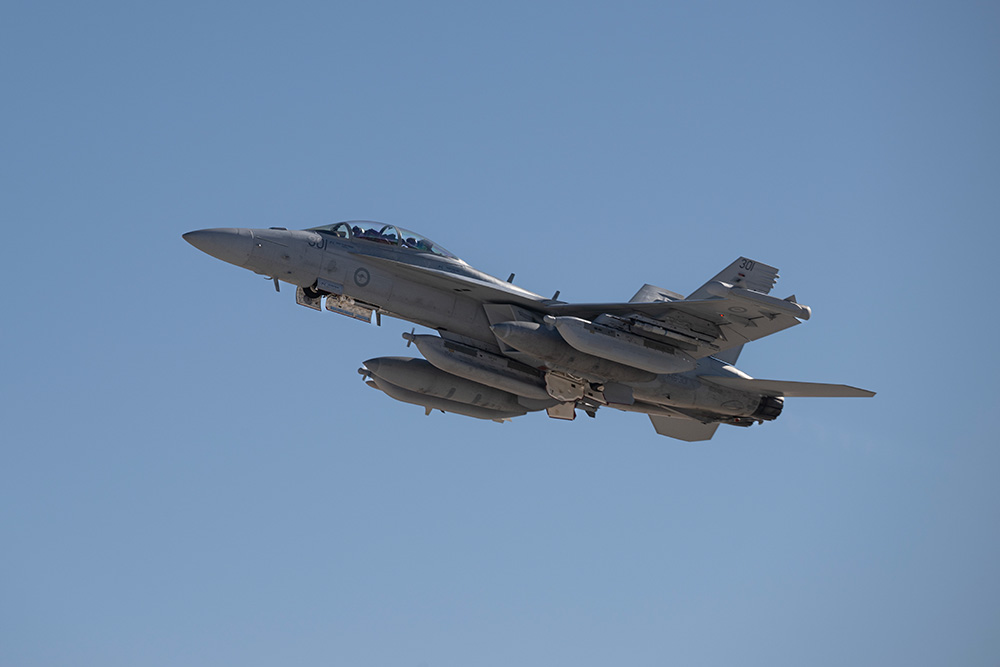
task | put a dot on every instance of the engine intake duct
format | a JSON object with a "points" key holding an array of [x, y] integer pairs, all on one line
{"points": [[769, 408]]}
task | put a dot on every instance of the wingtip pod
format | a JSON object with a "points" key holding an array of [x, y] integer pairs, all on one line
{"points": [[788, 307]]}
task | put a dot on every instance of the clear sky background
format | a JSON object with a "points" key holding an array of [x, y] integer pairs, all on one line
{"points": [[192, 472]]}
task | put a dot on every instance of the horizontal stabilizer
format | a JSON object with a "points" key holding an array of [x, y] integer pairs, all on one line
{"points": [[689, 430], [788, 388]]}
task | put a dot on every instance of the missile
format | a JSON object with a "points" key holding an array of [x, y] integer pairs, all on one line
{"points": [[420, 377], [432, 403], [622, 346], [545, 343], [786, 306], [480, 366]]}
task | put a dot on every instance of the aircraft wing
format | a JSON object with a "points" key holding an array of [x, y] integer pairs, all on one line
{"points": [[702, 327], [728, 311]]}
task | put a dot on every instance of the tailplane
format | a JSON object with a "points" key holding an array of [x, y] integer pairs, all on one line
{"points": [[788, 388]]}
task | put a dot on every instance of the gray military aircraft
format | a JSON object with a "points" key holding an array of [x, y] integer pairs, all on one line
{"points": [[503, 351]]}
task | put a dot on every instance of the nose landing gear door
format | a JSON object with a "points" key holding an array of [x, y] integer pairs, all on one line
{"points": [[312, 297]]}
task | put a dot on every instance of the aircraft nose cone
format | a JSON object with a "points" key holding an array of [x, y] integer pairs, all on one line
{"points": [[372, 365], [228, 244]]}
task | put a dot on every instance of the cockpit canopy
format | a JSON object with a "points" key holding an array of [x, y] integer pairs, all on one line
{"points": [[377, 232]]}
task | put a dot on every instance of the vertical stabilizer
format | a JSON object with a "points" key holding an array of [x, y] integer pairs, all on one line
{"points": [[729, 356], [744, 273], [653, 294], [688, 430]]}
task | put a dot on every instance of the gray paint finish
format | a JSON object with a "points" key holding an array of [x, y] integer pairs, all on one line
{"points": [[504, 351]]}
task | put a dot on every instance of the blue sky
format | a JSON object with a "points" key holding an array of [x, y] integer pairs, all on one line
{"points": [[192, 471]]}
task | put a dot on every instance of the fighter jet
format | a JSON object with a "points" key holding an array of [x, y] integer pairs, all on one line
{"points": [[502, 351]]}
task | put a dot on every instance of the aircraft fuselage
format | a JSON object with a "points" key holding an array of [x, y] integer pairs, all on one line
{"points": [[523, 351]]}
